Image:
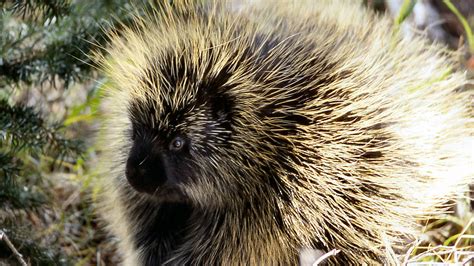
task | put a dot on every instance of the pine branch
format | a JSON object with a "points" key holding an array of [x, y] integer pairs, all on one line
{"points": [[12, 187], [23, 128], [39, 9], [31, 58], [59, 50], [23, 132], [43, 43]]}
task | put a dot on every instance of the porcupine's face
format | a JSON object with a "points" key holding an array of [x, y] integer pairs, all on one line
{"points": [[178, 133], [202, 119]]}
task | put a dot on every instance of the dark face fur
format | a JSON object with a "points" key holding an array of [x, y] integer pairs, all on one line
{"points": [[168, 142], [157, 166]]}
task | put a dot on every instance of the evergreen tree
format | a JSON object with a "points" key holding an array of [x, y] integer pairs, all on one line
{"points": [[44, 47]]}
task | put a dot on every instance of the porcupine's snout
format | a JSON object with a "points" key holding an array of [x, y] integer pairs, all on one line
{"points": [[145, 169]]}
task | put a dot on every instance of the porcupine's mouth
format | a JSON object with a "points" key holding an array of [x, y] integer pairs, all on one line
{"points": [[169, 193]]}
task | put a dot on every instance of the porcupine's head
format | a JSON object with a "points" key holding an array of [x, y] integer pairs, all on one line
{"points": [[191, 104], [181, 133]]}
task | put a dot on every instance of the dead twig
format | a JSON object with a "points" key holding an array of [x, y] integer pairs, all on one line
{"points": [[326, 256], [17, 254]]}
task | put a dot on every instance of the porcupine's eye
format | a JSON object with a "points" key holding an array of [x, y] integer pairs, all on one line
{"points": [[177, 144]]}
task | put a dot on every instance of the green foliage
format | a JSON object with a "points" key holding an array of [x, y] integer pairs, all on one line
{"points": [[78, 113], [45, 8], [23, 128], [405, 11], [45, 48], [26, 138], [24, 133], [464, 23], [55, 47]]}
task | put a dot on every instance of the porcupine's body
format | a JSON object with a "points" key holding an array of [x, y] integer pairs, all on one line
{"points": [[243, 136]]}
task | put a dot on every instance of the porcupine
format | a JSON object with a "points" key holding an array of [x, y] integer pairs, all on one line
{"points": [[243, 135]]}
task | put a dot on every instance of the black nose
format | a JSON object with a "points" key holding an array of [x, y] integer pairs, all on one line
{"points": [[144, 172]]}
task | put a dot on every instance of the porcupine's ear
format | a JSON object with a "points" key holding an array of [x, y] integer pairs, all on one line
{"points": [[222, 108], [221, 105], [213, 90]]}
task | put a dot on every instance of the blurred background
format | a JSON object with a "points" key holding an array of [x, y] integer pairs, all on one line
{"points": [[50, 95]]}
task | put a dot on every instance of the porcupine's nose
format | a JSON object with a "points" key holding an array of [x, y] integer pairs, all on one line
{"points": [[145, 172]]}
